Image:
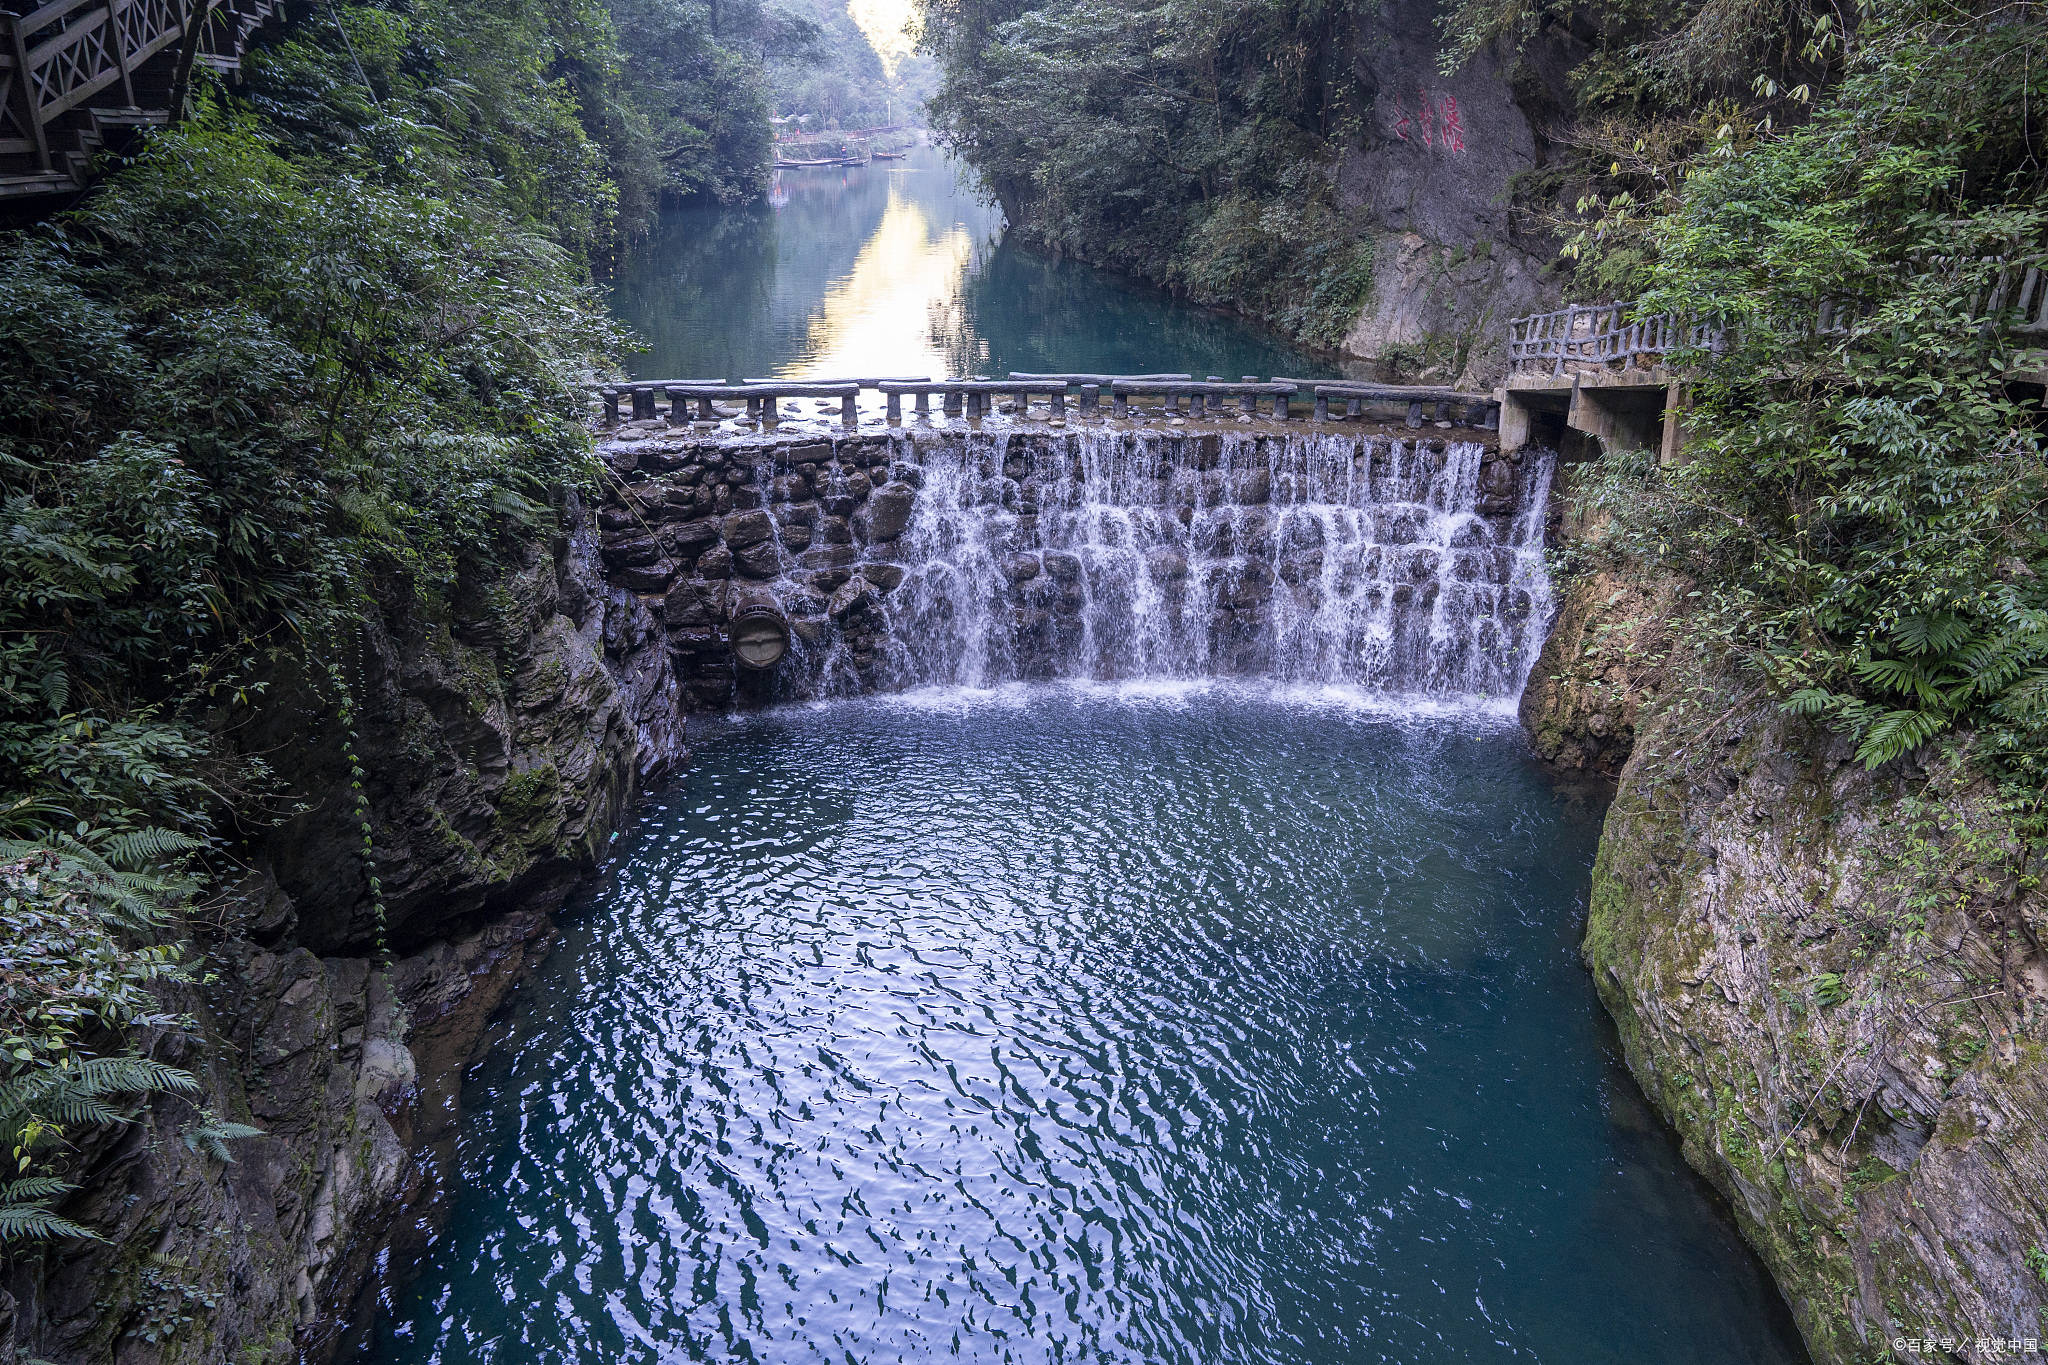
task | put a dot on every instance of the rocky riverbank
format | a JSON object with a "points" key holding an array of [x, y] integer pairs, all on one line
{"points": [[1829, 980], [503, 740]]}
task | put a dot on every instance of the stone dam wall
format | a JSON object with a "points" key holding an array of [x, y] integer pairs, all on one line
{"points": [[973, 558]]}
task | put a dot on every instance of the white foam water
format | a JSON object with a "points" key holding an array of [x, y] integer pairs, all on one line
{"points": [[1398, 567]]}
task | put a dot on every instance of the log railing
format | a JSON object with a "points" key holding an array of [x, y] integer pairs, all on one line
{"points": [[1200, 397], [1177, 395], [2018, 302], [975, 396], [2012, 299], [1602, 334], [1415, 402]]}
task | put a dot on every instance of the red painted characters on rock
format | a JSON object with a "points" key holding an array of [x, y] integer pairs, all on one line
{"points": [[1435, 122]]}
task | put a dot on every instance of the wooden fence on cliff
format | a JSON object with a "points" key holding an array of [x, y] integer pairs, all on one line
{"points": [[79, 75], [2012, 301]]}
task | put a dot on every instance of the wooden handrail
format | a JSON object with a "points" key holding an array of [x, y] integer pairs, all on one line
{"points": [[1601, 333], [2014, 302], [104, 55], [69, 36], [48, 14], [1427, 393]]}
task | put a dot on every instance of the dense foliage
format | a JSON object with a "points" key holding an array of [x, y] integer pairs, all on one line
{"points": [[1191, 141], [1863, 506], [692, 102], [837, 79], [322, 341], [1650, 88]]}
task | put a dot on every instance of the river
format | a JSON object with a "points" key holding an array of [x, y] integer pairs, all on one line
{"points": [[1192, 1021], [898, 268]]}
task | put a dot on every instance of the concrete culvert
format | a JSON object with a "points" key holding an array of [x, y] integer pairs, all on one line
{"points": [[759, 634]]}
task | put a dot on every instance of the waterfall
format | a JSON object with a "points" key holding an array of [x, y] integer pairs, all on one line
{"points": [[1405, 566]]}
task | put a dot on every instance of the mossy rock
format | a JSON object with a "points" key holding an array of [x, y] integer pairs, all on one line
{"points": [[530, 810]]}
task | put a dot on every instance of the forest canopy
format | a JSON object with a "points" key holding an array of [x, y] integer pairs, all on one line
{"points": [[1188, 141]]}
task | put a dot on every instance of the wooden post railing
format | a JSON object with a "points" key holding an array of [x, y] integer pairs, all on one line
{"points": [[1178, 395], [1601, 334], [2013, 301]]}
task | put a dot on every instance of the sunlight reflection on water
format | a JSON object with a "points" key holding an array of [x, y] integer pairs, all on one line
{"points": [[877, 319], [902, 268]]}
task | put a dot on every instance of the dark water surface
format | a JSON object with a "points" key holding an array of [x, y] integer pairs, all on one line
{"points": [[1195, 1025], [897, 268]]}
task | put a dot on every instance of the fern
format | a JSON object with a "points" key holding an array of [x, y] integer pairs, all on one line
{"points": [[1811, 701], [75, 971], [135, 849], [33, 1187], [25, 1213], [40, 1105], [1942, 634], [211, 1136], [102, 1076], [33, 1222], [2025, 700], [79, 1091], [130, 883], [1897, 733], [1896, 675]]}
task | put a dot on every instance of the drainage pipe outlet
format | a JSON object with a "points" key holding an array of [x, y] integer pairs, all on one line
{"points": [[759, 633]]}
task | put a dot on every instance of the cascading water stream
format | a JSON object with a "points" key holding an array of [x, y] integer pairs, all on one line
{"points": [[1402, 566]]}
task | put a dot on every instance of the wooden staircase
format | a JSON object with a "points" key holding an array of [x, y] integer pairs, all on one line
{"points": [[79, 77]]}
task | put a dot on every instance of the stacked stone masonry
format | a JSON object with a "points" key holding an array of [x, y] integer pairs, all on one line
{"points": [[829, 529]]}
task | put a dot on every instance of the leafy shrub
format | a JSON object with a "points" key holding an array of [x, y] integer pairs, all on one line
{"points": [[1862, 509], [1295, 261], [309, 346]]}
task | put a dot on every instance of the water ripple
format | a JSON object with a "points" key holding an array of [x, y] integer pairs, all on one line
{"points": [[1067, 1026]]}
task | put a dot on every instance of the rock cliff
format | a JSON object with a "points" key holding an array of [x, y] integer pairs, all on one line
{"points": [[1434, 168], [1829, 980], [503, 736], [1600, 665]]}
